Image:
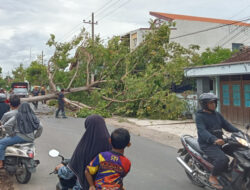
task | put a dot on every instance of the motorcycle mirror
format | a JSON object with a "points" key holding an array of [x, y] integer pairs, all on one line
{"points": [[53, 153]]}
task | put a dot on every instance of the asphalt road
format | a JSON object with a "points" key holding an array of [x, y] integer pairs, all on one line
{"points": [[154, 166]]}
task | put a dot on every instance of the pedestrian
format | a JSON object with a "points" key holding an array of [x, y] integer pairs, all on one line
{"points": [[107, 169], [21, 126], [61, 102], [4, 107], [35, 92], [43, 92], [95, 140]]}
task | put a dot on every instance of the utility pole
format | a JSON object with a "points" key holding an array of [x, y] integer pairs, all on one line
{"points": [[92, 22], [30, 54], [42, 57]]}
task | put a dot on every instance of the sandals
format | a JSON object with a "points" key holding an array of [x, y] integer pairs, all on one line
{"points": [[216, 185]]}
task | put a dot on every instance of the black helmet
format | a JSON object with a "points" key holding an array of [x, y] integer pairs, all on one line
{"points": [[2, 97], [205, 98]]}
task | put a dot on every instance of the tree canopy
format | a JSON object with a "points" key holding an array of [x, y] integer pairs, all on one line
{"points": [[134, 83]]}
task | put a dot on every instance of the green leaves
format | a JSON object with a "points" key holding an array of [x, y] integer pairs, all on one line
{"points": [[36, 74], [214, 56], [138, 83]]}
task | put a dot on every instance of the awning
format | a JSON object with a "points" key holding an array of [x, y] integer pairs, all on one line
{"points": [[237, 68]]}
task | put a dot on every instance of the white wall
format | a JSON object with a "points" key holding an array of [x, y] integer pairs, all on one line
{"points": [[140, 37], [211, 38]]}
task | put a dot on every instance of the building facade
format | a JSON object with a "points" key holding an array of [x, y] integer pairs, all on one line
{"points": [[230, 82], [205, 32]]}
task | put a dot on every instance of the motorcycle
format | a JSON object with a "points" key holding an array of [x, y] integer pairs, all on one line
{"points": [[19, 160], [63, 184], [198, 166]]}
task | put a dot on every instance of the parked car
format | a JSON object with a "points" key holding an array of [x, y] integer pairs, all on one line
{"points": [[20, 89]]}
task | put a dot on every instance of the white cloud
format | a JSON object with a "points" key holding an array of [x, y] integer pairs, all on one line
{"points": [[27, 24]]}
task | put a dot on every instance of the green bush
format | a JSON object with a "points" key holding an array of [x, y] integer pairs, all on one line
{"points": [[83, 113], [52, 103], [162, 105]]}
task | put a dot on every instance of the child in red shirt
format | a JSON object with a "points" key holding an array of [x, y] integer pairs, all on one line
{"points": [[110, 167]]}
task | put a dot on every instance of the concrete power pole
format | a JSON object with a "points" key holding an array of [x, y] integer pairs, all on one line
{"points": [[42, 57], [92, 22]]}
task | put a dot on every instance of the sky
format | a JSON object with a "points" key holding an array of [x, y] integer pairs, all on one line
{"points": [[26, 25]]}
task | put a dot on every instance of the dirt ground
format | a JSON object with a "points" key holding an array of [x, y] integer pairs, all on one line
{"points": [[156, 133], [6, 181]]}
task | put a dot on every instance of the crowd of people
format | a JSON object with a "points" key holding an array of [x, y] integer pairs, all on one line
{"points": [[98, 161]]}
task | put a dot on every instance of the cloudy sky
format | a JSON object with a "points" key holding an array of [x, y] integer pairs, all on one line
{"points": [[25, 25]]}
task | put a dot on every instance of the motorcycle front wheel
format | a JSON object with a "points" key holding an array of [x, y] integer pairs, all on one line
{"points": [[23, 175]]}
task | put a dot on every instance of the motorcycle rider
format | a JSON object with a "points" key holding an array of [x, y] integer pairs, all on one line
{"points": [[4, 107], [209, 124], [21, 125]]}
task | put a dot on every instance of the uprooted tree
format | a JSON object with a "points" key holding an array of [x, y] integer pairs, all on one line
{"points": [[110, 79]]}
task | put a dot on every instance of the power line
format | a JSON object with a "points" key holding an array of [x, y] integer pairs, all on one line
{"points": [[220, 41], [111, 12], [233, 36], [240, 12], [70, 32], [103, 7], [108, 7], [208, 29], [226, 36]]}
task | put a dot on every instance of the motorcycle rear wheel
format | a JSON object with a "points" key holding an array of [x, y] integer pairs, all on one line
{"points": [[188, 159], [24, 176]]}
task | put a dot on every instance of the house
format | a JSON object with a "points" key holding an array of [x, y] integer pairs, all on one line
{"points": [[205, 32], [230, 81], [135, 37]]}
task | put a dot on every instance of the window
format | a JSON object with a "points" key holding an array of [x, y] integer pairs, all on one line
{"points": [[236, 46], [236, 95], [225, 94], [247, 95], [134, 42]]}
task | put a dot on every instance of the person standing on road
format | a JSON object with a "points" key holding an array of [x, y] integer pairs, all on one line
{"points": [[4, 107], [35, 92], [95, 140], [43, 92], [61, 102]]}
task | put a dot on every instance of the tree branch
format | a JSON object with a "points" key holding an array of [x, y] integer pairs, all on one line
{"points": [[119, 101], [73, 78], [55, 95], [50, 76]]}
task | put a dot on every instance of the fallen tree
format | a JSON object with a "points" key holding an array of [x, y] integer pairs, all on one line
{"points": [[111, 78]]}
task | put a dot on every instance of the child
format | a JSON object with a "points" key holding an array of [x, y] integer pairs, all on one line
{"points": [[109, 168]]}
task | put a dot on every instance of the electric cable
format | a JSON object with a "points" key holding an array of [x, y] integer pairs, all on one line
{"points": [[208, 29], [111, 12]]}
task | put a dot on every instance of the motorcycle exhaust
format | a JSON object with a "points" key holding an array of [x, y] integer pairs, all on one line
{"points": [[184, 165]]}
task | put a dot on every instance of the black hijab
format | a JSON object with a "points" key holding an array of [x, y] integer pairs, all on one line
{"points": [[27, 122], [94, 141]]}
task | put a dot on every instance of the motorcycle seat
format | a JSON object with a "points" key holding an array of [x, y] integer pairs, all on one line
{"points": [[194, 144], [23, 144]]}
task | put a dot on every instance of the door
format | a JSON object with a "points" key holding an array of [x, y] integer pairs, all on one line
{"points": [[232, 101], [225, 99], [236, 112], [246, 108]]}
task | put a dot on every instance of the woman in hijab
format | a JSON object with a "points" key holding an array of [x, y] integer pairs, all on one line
{"points": [[22, 127], [94, 141]]}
